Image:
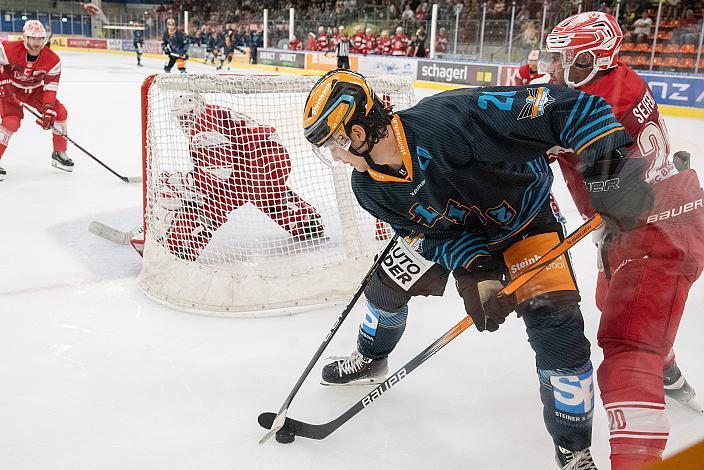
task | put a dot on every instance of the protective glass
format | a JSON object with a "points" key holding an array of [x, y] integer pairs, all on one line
{"points": [[339, 142]]}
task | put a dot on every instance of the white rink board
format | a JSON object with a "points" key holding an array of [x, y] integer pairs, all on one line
{"points": [[97, 376]]}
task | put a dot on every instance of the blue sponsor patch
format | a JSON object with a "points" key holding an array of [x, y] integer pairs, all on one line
{"points": [[370, 321], [573, 394]]}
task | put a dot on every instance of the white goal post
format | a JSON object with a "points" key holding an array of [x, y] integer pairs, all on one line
{"points": [[241, 218]]}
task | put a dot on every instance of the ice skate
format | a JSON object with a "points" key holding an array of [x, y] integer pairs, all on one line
{"points": [[61, 161], [574, 460], [355, 369], [678, 389]]}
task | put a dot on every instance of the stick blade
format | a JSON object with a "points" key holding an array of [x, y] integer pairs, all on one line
{"points": [[109, 233], [272, 422], [134, 179]]}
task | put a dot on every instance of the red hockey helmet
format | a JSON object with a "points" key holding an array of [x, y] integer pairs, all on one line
{"points": [[34, 29], [595, 33]]}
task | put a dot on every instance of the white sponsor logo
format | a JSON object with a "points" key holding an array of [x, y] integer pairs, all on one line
{"points": [[524, 264], [323, 96], [379, 391], [404, 266], [675, 212]]}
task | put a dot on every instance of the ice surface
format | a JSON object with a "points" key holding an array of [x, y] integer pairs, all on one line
{"points": [[96, 376]]}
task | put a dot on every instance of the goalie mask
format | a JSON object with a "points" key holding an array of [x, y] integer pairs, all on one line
{"points": [[589, 41], [337, 101], [186, 108]]}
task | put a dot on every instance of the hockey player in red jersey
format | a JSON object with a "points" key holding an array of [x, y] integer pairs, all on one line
{"points": [[322, 42], [369, 42], [358, 40], [235, 160], [527, 73], [30, 74], [384, 44], [401, 38], [649, 267]]}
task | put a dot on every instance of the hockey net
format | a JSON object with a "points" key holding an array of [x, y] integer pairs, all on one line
{"points": [[240, 217]]}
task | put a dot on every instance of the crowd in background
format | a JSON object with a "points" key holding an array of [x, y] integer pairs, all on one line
{"points": [[400, 28]]}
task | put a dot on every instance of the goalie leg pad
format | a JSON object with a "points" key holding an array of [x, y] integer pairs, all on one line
{"points": [[188, 234]]}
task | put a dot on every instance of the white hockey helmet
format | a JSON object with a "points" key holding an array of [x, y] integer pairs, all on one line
{"points": [[187, 107], [34, 29]]}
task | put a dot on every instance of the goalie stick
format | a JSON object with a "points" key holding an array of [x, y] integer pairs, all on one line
{"points": [[321, 431], [112, 234], [278, 419], [126, 179]]}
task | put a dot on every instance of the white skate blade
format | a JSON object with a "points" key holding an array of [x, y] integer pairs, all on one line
{"points": [[366, 381], [58, 165]]}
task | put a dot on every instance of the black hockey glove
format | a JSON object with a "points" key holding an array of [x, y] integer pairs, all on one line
{"points": [[618, 192], [478, 290]]}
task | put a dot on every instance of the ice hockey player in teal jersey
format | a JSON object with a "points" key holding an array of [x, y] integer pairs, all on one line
{"points": [[462, 177]]}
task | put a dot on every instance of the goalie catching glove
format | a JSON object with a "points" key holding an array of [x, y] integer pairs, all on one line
{"points": [[618, 191], [478, 290]]}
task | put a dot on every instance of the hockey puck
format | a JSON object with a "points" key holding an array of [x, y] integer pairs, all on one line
{"points": [[285, 435]]}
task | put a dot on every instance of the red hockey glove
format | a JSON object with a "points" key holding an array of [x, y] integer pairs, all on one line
{"points": [[478, 290], [48, 115]]}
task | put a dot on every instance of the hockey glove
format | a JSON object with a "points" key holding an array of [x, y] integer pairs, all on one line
{"points": [[478, 290], [618, 192], [48, 115]]}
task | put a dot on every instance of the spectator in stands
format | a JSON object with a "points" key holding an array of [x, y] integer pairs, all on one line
{"points": [[529, 35], [421, 12], [441, 41], [407, 14], [523, 14], [671, 11], [310, 42], [641, 27], [688, 30]]}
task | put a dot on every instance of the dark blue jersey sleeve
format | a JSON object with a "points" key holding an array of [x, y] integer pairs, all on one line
{"points": [[588, 126]]}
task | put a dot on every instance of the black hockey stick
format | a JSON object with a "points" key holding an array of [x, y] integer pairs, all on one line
{"points": [[126, 179], [278, 419], [321, 431]]}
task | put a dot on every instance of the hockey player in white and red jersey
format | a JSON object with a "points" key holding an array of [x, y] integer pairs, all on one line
{"points": [[235, 160], [647, 269], [29, 73]]}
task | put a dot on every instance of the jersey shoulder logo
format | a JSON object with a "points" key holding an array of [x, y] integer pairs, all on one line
{"points": [[423, 156], [503, 214], [537, 100]]}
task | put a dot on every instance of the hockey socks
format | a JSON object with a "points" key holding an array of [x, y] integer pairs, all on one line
{"points": [[380, 331]]}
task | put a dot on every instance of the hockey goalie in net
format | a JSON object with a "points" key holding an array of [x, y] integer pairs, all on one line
{"points": [[235, 160]]}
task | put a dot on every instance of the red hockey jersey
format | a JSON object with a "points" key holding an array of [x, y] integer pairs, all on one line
{"points": [[633, 104], [43, 72]]}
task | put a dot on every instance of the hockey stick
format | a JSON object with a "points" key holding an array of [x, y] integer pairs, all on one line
{"points": [[112, 234], [126, 179], [555, 252], [279, 418], [321, 431]]}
